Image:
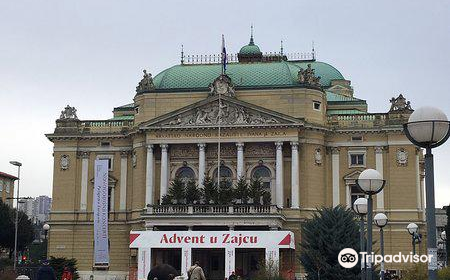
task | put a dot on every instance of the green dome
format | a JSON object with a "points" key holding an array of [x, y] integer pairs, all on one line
{"points": [[250, 49], [282, 74]]}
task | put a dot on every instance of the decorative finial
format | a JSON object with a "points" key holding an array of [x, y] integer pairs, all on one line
{"points": [[251, 35], [313, 51], [281, 48], [182, 54], [69, 113]]}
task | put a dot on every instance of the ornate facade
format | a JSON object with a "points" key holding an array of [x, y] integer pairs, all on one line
{"points": [[295, 122]]}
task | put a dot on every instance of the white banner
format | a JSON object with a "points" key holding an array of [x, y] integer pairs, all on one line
{"points": [[101, 251]]}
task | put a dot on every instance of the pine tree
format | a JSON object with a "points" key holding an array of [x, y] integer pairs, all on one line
{"points": [[192, 192], [241, 191], [209, 191], [225, 192], [323, 237], [256, 191], [177, 190]]}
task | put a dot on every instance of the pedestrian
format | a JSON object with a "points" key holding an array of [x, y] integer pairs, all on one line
{"points": [[46, 272], [233, 276], [67, 274], [196, 272]]}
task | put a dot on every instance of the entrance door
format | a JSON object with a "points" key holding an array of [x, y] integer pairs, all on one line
{"points": [[249, 262], [212, 261], [171, 256]]}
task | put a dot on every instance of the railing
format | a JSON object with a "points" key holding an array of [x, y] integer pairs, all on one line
{"points": [[95, 126], [213, 209], [362, 120], [231, 58]]}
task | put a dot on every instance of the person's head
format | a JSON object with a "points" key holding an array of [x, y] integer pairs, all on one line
{"points": [[197, 263], [44, 262], [233, 273]]}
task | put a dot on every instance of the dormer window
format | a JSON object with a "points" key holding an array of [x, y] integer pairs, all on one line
{"points": [[317, 105]]}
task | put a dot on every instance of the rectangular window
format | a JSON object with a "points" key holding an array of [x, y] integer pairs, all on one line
{"points": [[355, 193], [358, 138], [357, 159], [316, 105], [110, 159], [105, 144], [7, 187]]}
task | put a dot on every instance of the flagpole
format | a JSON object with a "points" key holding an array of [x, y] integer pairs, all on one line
{"points": [[219, 121]]}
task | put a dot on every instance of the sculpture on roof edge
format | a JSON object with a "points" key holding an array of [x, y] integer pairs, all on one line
{"points": [[308, 77], [146, 84], [400, 104], [222, 85], [68, 113]]}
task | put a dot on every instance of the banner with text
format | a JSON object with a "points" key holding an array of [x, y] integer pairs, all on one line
{"points": [[101, 250]]}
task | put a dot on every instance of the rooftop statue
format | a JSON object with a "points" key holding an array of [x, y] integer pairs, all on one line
{"points": [[146, 84], [68, 113], [308, 77], [400, 104]]}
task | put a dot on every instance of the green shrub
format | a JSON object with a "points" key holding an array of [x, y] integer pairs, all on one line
{"points": [[58, 265], [444, 274], [416, 272]]}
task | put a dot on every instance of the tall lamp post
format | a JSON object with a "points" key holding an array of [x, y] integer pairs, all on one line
{"points": [[428, 128], [413, 229], [444, 238], [360, 208], [370, 182], [18, 164], [381, 221], [46, 227]]}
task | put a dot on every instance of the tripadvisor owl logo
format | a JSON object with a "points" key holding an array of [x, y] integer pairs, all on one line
{"points": [[348, 258]]}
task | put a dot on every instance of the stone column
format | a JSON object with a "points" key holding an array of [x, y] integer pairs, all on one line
{"points": [[201, 163], [149, 176], [279, 174], [164, 170], [379, 168], [295, 200], [240, 160], [123, 180], [84, 180], [335, 173]]}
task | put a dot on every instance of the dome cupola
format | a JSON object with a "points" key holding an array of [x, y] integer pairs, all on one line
{"points": [[250, 52]]}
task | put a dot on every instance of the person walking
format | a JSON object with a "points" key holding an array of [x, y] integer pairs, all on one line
{"points": [[67, 274], [46, 272], [196, 272], [233, 276]]}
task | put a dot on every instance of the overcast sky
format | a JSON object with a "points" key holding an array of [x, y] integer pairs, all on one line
{"points": [[90, 54]]}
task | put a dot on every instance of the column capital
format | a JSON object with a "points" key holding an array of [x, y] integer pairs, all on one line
{"points": [[279, 145], [335, 150], [240, 145], [379, 150], [124, 154], [149, 146], [84, 154], [294, 145], [201, 146], [164, 147]]}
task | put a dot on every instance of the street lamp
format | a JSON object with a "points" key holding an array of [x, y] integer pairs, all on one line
{"points": [[444, 238], [381, 221], [46, 228], [360, 208], [413, 229], [370, 182], [18, 164], [428, 128]]}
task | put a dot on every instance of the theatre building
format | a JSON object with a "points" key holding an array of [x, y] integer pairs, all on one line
{"points": [[290, 120]]}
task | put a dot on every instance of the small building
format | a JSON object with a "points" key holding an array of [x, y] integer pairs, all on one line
{"points": [[7, 188]]}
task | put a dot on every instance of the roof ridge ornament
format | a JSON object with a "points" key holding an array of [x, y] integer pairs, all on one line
{"points": [[146, 84], [222, 85], [308, 77], [400, 105]]}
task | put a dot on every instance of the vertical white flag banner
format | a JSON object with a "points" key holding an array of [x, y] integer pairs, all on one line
{"points": [[101, 250]]}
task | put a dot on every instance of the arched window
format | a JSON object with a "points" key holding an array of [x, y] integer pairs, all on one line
{"points": [[225, 174], [264, 174], [185, 173]]}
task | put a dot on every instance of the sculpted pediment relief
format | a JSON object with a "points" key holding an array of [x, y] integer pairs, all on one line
{"points": [[227, 112]]}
